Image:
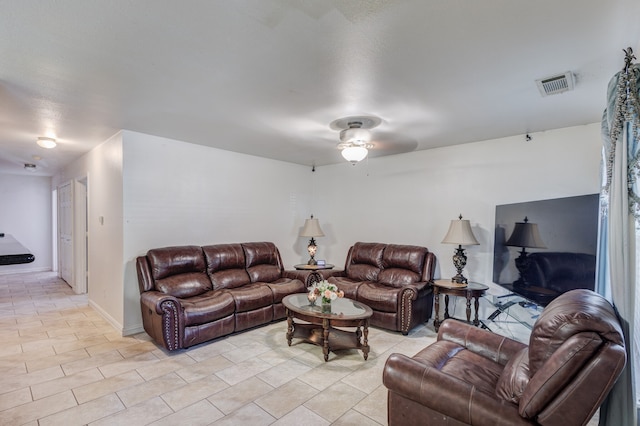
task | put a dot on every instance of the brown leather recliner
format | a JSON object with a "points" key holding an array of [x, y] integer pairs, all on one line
{"points": [[393, 280], [471, 376]]}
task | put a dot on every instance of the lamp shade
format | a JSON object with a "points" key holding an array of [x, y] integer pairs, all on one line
{"points": [[526, 234], [311, 228], [354, 153], [460, 233]]}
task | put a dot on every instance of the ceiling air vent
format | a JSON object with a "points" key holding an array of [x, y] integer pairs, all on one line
{"points": [[555, 84]]}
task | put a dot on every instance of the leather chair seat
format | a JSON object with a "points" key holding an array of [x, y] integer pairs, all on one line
{"points": [[284, 286], [207, 307], [379, 297], [251, 296], [347, 285]]}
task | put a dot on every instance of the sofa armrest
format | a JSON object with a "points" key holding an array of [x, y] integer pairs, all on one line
{"points": [[428, 386], [490, 345], [163, 319]]}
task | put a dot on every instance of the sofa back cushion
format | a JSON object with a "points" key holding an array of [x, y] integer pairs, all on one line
{"points": [[364, 261], [402, 265], [262, 261], [226, 265], [179, 271]]}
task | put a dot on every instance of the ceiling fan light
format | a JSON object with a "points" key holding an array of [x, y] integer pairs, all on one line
{"points": [[47, 142], [354, 153]]}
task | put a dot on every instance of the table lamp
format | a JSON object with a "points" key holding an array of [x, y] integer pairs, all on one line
{"points": [[312, 229], [525, 235], [460, 233]]}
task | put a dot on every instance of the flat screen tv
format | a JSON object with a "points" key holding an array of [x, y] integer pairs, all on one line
{"points": [[559, 239]]}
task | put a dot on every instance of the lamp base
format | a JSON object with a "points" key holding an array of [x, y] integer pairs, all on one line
{"points": [[312, 262], [459, 262]]}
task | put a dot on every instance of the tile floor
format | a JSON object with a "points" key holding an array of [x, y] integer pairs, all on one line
{"points": [[62, 364]]}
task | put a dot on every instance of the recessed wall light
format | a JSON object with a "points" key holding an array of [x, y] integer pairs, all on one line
{"points": [[47, 142]]}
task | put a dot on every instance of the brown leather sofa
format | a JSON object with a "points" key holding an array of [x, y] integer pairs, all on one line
{"points": [[191, 294], [471, 376], [393, 280]]}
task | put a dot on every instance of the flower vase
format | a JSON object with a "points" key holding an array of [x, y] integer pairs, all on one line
{"points": [[326, 305]]}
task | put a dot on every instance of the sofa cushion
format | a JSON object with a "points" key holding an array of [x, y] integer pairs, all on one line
{"points": [[405, 257], [379, 297], [285, 286], [251, 296], [514, 377], [179, 271], [226, 265], [184, 285], [365, 261], [207, 307], [262, 261]]}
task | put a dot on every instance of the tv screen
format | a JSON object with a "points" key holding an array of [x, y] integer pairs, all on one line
{"points": [[559, 239]]}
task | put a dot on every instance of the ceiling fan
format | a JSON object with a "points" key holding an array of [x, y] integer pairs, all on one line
{"points": [[355, 137]]}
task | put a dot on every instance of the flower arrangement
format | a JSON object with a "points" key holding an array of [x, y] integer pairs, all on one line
{"points": [[325, 290]]}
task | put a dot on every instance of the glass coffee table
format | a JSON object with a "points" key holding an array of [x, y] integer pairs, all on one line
{"points": [[320, 329]]}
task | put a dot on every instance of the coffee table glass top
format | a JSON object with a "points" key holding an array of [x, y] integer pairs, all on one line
{"points": [[341, 307]]}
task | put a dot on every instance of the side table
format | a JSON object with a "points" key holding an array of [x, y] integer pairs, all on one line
{"points": [[468, 291], [315, 276]]}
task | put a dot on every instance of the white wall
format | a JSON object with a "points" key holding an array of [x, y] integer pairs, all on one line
{"points": [[411, 198], [102, 167], [25, 213], [179, 193]]}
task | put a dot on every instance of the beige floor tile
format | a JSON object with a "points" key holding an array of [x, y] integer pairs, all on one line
{"points": [[334, 401], [284, 372], [141, 414], [145, 360], [201, 413], [79, 344], [164, 366], [37, 409], [250, 414], [147, 390], [286, 398], [137, 348], [374, 405], [209, 350], [56, 360], [93, 361], [242, 371], [204, 368], [353, 418], [324, 375], [301, 416], [15, 398], [190, 393], [85, 413], [241, 394], [246, 351], [368, 377], [104, 387], [29, 379], [42, 390]]}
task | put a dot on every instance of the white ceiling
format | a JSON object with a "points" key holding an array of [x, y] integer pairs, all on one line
{"points": [[267, 77]]}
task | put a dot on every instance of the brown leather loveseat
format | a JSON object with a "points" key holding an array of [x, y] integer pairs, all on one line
{"points": [[191, 294], [471, 376], [393, 280]]}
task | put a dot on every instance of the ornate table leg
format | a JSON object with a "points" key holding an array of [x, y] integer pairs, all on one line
{"points": [[436, 300], [325, 339], [476, 321], [469, 307], [289, 326], [446, 306], [365, 343]]}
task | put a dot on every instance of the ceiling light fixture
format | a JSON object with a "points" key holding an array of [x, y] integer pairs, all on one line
{"points": [[355, 142], [47, 142], [30, 167]]}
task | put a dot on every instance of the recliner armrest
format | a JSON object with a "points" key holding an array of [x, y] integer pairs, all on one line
{"points": [[428, 386], [154, 299], [490, 345]]}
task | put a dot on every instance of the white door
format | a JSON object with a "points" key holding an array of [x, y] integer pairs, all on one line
{"points": [[81, 235], [65, 232]]}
